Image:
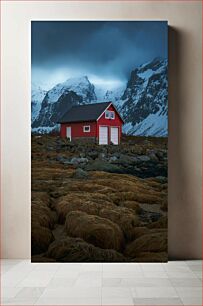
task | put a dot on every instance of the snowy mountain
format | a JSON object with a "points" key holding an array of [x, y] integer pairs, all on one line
{"points": [[81, 86], [59, 99], [142, 103], [113, 95], [144, 106], [37, 95]]}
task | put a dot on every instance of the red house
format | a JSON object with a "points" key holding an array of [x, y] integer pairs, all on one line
{"points": [[100, 122]]}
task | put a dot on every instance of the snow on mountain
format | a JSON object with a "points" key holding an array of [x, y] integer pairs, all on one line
{"points": [[37, 96], [59, 99], [113, 95], [81, 86], [152, 125], [100, 93], [145, 100]]}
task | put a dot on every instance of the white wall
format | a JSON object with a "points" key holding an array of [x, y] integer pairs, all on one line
{"points": [[184, 112]]}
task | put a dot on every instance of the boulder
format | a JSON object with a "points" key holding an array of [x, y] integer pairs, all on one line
{"points": [[139, 231], [113, 159], [41, 237], [156, 242], [132, 205], [93, 154], [123, 217], [98, 231], [78, 160], [161, 223], [143, 158], [161, 179], [80, 174], [77, 250], [151, 257], [101, 165]]}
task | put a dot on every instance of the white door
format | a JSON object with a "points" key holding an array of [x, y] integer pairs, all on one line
{"points": [[68, 132], [114, 135], [103, 135]]}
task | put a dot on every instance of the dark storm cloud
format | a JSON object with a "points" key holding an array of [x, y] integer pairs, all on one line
{"points": [[101, 48]]}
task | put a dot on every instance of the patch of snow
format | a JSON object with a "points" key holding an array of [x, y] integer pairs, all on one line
{"points": [[45, 129], [81, 86], [37, 96], [127, 128], [100, 93], [153, 125], [146, 74], [113, 95]]}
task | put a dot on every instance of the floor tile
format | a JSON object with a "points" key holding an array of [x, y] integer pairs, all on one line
{"points": [[6, 268], [90, 274], [61, 282], [116, 292], [185, 282], [112, 282], [122, 274], [196, 268], [157, 301], [47, 267], [192, 301], [189, 291], [16, 274], [88, 282], [193, 262], [9, 292], [68, 273], [198, 274], [178, 274], [92, 267], [176, 268], [69, 301], [146, 282], [153, 292], [73, 292], [155, 274], [37, 279], [21, 301], [152, 267], [117, 301], [122, 267], [28, 292]]}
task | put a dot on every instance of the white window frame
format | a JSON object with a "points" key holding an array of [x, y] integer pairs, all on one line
{"points": [[86, 126], [109, 114]]}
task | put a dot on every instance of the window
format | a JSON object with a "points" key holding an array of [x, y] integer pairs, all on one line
{"points": [[86, 128], [110, 115]]}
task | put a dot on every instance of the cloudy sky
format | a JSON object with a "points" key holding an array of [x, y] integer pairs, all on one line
{"points": [[105, 51]]}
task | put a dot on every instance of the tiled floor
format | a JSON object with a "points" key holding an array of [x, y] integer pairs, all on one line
{"points": [[174, 283]]}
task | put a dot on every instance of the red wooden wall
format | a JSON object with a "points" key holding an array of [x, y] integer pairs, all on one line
{"points": [[77, 129]]}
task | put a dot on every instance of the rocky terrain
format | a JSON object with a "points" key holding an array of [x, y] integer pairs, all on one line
{"points": [[142, 101], [95, 203]]}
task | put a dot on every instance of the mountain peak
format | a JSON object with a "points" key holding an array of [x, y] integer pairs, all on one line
{"points": [[77, 80]]}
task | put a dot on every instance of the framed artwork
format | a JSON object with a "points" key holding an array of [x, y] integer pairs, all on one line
{"points": [[99, 127]]}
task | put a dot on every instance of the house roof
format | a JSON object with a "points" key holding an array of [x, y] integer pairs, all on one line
{"points": [[88, 112]]}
